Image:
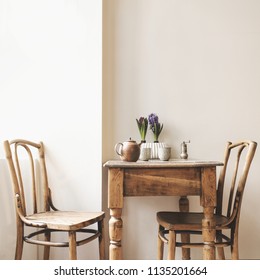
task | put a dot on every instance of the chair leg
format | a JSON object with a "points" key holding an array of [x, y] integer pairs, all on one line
{"points": [[185, 238], [220, 250], [172, 245], [46, 253], [160, 245], [72, 245], [221, 254], [234, 249], [101, 240], [19, 241]]}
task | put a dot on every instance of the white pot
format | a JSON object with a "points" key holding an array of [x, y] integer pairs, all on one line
{"points": [[154, 148]]}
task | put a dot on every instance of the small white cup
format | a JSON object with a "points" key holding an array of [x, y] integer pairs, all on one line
{"points": [[145, 153], [164, 153]]}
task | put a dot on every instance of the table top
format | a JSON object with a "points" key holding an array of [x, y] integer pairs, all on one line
{"points": [[154, 163]]}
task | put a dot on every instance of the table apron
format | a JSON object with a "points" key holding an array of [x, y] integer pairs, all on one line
{"points": [[162, 181]]}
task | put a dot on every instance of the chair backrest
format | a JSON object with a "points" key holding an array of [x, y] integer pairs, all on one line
{"points": [[27, 167], [237, 162]]}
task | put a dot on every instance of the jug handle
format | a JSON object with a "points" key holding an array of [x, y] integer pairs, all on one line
{"points": [[118, 148]]}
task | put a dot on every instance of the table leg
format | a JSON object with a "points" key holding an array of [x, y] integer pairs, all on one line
{"points": [[115, 204], [115, 234], [209, 234], [184, 207], [208, 202]]}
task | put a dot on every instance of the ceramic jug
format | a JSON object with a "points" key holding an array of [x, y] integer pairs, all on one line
{"points": [[128, 151]]}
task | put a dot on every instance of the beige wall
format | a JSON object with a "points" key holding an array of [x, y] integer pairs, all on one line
{"points": [[197, 65]]}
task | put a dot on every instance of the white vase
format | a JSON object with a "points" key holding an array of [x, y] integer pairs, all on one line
{"points": [[154, 148]]}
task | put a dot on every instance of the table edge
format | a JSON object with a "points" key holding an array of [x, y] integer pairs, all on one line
{"points": [[162, 164]]}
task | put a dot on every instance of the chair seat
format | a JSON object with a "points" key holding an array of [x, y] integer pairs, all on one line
{"points": [[65, 220], [186, 221]]}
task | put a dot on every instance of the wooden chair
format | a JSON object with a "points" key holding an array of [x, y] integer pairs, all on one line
{"points": [[173, 223], [48, 219]]}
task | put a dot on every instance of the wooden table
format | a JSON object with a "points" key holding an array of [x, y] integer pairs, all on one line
{"points": [[158, 178]]}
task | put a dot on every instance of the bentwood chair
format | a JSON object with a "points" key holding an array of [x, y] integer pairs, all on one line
{"points": [[171, 224], [27, 160]]}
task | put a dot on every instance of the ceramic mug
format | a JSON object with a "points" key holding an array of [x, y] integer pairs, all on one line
{"points": [[164, 153], [145, 153]]}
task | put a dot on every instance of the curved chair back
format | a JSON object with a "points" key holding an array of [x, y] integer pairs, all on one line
{"points": [[237, 161], [29, 196]]}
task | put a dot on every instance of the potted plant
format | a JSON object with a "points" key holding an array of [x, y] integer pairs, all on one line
{"points": [[155, 126], [142, 124]]}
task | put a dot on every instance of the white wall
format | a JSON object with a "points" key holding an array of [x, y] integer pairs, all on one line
{"points": [[197, 65], [50, 88]]}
